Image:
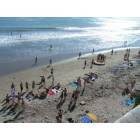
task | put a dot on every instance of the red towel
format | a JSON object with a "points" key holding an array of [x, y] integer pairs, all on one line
{"points": [[50, 92]]}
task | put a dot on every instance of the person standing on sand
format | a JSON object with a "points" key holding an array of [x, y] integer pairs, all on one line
{"points": [[80, 54], [27, 86], [21, 87], [12, 86], [65, 94], [36, 60], [92, 62], [85, 64], [13, 90], [33, 85]]}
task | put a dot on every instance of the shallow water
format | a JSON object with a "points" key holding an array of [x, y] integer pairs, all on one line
{"points": [[21, 39]]}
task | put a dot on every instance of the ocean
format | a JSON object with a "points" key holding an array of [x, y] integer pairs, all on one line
{"points": [[23, 38]]}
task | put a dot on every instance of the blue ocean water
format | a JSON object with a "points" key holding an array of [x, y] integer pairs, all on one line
{"points": [[21, 39]]}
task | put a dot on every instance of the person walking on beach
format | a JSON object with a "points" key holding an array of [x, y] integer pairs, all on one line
{"points": [[21, 87], [80, 54], [36, 60], [85, 64], [13, 90], [92, 62], [27, 86]]}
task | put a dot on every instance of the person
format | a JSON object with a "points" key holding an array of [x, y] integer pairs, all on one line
{"points": [[52, 81], [85, 64], [12, 86], [112, 52], [80, 55], [79, 82], [133, 82], [126, 91], [33, 85], [50, 46], [21, 87], [36, 60], [27, 86], [65, 94], [50, 62], [59, 116], [19, 97], [92, 62], [52, 71], [13, 91], [58, 86], [43, 80], [84, 86], [93, 50]]}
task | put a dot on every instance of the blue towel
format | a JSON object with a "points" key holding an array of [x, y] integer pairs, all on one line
{"points": [[85, 119], [130, 102]]}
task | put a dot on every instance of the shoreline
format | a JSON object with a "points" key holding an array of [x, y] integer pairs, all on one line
{"points": [[28, 64]]}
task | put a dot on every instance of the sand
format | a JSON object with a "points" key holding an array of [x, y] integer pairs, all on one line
{"points": [[104, 102]]}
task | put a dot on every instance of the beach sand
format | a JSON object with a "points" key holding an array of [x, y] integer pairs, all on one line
{"points": [[102, 98]]}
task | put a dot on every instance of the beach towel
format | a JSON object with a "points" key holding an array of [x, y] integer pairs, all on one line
{"points": [[86, 119], [130, 102], [92, 116], [73, 85], [50, 92]]}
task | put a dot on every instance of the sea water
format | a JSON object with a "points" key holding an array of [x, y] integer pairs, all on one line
{"points": [[22, 39]]}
